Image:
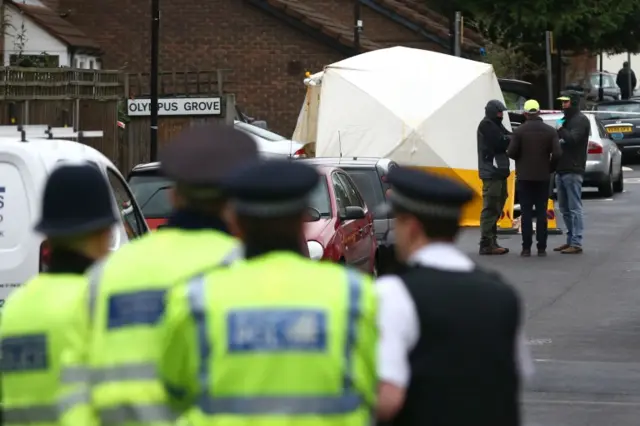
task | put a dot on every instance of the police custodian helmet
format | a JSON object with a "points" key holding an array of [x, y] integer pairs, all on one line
{"points": [[76, 200]]}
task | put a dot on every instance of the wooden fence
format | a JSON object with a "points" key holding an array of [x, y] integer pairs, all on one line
{"points": [[84, 99], [173, 84], [96, 100]]}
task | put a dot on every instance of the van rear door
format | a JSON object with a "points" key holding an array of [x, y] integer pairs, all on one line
{"points": [[19, 245]]}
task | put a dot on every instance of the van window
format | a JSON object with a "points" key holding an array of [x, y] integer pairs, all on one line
{"points": [[131, 217], [14, 208]]}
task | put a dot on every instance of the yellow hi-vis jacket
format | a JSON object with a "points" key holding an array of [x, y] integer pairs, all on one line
{"points": [[34, 337], [126, 303], [278, 340]]}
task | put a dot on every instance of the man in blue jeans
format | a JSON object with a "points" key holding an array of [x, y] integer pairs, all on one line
{"points": [[574, 138]]}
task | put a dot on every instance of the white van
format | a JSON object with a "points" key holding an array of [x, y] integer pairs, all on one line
{"points": [[24, 167]]}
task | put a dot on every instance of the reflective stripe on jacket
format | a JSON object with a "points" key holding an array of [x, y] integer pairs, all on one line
{"points": [[126, 303], [276, 340], [34, 339]]}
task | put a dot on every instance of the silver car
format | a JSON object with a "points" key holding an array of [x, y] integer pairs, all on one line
{"points": [[604, 159]]}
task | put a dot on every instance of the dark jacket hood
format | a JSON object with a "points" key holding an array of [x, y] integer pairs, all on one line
{"points": [[493, 108]]}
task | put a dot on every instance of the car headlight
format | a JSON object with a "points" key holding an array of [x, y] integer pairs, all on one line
{"points": [[316, 251]]}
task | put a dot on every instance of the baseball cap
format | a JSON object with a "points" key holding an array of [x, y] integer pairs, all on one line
{"points": [[532, 106], [564, 98]]}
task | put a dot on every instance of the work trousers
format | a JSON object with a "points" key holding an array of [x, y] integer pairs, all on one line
{"points": [[494, 195], [569, 186], [533, 194]]}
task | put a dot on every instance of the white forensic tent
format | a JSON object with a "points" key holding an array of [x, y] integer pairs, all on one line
{"points": [[417, 107]]}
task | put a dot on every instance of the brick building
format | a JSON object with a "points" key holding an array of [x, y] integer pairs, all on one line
{"points": [[268, 44]]}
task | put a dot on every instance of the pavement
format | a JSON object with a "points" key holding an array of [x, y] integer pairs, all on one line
{"points": [[582, 315]]}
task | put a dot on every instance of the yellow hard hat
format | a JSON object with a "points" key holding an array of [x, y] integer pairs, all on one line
{"points": [[531, 106]]}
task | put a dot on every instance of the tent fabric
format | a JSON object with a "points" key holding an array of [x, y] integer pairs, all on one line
{"points": [[417, 107]]}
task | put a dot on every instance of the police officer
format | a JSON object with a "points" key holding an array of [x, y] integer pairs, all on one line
{"points": [[276, 338], [450, 331], [126, 292], [77, 215]]}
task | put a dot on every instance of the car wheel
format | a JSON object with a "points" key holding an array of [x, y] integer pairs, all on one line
{"points": [[618, 185], [605, 188]]}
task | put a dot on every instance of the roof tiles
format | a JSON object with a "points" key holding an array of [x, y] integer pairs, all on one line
{"points": [[317, 20], [58, 27]]}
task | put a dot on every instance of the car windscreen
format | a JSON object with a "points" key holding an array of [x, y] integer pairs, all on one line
{"points": [[608, 82], [615, 110], [369, 185], [152, 195], [320, 200]]}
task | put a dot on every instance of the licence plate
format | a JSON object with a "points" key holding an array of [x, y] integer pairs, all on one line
{"points": [[620, 129]]}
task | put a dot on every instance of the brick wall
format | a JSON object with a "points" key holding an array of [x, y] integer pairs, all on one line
{"points": [[198, 35]]}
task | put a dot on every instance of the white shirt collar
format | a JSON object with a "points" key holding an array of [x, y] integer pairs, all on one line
{"points": [[442, 256]]}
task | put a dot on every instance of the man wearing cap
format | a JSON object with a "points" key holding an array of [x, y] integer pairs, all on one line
{"points": [[37, 317], [535, 147], [451, 344], [127, 292], [493, 169], [294, 339], [574, 139]]}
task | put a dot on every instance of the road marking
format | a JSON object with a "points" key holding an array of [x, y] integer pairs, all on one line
{"points": [[632, 180], [580, 402], [626, 169]]}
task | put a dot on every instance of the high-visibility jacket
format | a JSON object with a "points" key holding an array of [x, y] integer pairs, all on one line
{"points": [[126, 301], [34, 335], [276, 340]]}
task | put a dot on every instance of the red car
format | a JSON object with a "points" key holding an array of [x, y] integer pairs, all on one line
{"points": [[342, 229], [151, 190]]}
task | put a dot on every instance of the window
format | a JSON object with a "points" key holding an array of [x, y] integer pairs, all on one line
{"points": [[369, 184], [152, 193], [91, 64], [131, 217], [320, 200], [35, 61], [342, 199], [352, 191], [258, 131]]}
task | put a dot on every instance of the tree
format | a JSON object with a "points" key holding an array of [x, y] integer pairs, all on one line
{"points": [[594, 25]]}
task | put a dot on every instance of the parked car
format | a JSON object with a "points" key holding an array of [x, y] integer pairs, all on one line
{"points": [[342, 230], [591, 85], [621, 119], [151, 190], [370, 174], [270, 142], [604, 158]]}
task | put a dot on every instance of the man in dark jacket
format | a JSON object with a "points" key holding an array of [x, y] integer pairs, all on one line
{"points": [[574, 139], [622, 80], [493, 168], [536, 148]]}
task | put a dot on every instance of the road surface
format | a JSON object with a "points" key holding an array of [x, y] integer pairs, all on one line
{"points": [[583, 316]]}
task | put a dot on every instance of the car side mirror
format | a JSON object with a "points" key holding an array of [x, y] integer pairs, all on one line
{"points": [[312, 215], [353, 213]]}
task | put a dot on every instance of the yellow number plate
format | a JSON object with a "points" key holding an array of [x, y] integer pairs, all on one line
{"points": [[620, 129]]}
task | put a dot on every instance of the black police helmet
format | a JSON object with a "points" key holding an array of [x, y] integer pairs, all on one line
{"points": [[76, 201]]}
